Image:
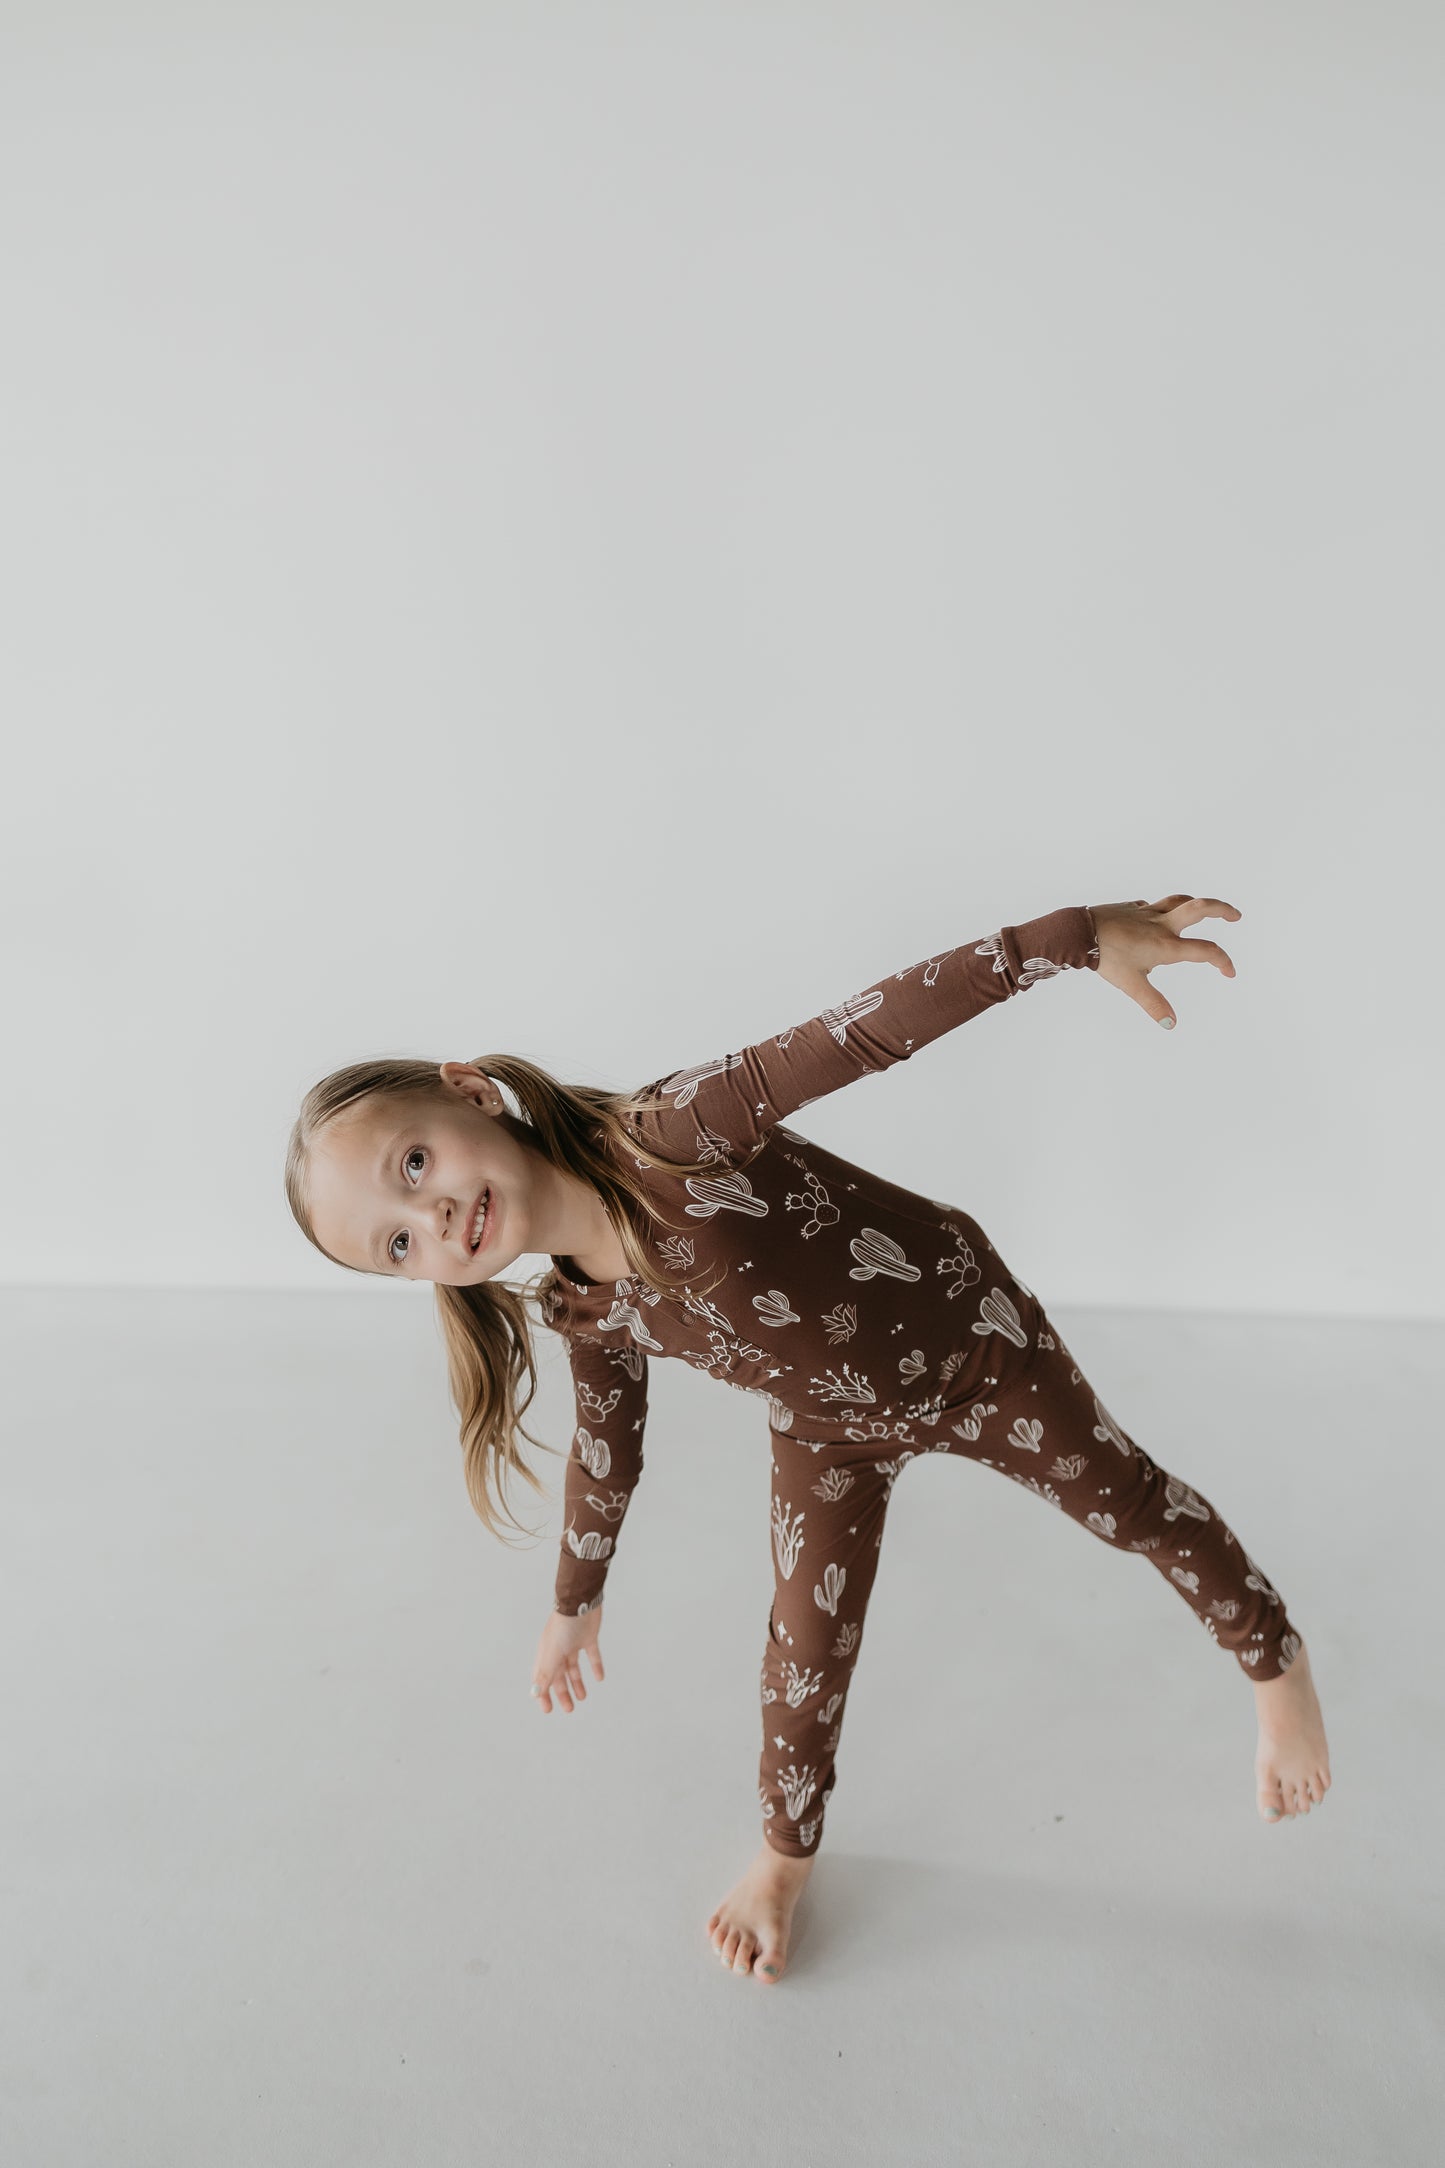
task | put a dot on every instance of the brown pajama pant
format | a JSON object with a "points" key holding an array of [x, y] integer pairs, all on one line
{"points": [[1034, 1416]]}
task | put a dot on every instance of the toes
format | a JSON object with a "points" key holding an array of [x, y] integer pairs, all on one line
{"points": [[746, 1949], [1271, 1803], [769, 1966], [729, 1948]]}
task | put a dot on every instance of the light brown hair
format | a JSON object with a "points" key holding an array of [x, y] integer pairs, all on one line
{"points": [[485, 1327]]}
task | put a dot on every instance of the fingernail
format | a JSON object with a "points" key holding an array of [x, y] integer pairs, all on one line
{"points": [[1167, 1022]]}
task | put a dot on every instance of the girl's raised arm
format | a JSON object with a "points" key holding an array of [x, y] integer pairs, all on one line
{"points": [[741, 1096]]}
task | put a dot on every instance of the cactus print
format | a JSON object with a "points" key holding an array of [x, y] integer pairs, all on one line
{"points": [[877, 1325]]}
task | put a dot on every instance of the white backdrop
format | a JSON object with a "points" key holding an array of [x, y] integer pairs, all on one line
{"points": [[598, 530]]}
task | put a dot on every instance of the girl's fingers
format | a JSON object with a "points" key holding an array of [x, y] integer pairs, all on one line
{"points": [[1152, 1002], [1197, 907], [1207, 952], [594, 1657], [574, 1680]]}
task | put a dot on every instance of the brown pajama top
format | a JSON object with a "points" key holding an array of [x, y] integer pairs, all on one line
{"points": [[877, 1324]]}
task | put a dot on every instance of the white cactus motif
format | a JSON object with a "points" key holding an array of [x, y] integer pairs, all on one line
{"points": [[769, 1810], [830, 1708], [972, 1423], [681, 1086], [1182, 1500], [592, 1545], [962, 1267], [625, 1316], [826, 1597], [798, 1685], [1108, 1431], [611, 1508], [997, 1314], [843, 1013], [1067, 1469], [851, 1386], [1026, 1435], [842, 1323], [821, 1210], [774, 1308], [711, 1144], [877, 1252], [1226, 1609], [1189, 1581], [723, 1193], [799, 1786], [598, 1405], [835, 1483], [912, 1366], [1256, 1580], [787, 1537], [807, 1831], [677, 1254], [1289, 1649], [1104, 1524], [594, 1453], [847, 1640]]}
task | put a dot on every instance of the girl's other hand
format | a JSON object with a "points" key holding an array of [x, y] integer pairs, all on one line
{"points": [[557, 1669], [1134, 937]]}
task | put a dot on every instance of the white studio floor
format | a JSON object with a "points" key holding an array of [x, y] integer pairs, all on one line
{"points": [[296, 1873]]}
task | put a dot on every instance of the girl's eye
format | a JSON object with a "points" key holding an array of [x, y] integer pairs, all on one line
{"points": [[417, 1152]]}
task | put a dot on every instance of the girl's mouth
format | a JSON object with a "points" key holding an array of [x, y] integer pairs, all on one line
{"points": [[477, 1238]]}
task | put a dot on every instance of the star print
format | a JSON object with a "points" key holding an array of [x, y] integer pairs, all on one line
{"points": [[780, 1742], [775, 1373], [852, 1531]]}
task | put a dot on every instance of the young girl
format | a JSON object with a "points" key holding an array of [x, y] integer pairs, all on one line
{"points": [[685, 1220]]}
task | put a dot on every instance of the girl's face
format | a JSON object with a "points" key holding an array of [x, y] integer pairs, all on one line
{"points": [[395, 1183]]}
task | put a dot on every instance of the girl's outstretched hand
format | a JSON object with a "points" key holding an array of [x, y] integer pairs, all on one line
{"points": [[1134, 937], [557, 1670]]}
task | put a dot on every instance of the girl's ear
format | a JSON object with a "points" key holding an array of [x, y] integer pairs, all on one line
{"points": [[470, 1082]]}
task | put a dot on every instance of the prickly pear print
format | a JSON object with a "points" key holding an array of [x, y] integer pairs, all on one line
{"points": [[816, 1203], [960, 1268]]}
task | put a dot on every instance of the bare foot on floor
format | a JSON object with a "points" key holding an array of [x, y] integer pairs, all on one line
{"points": [[750, 1928], [1292, 1762]]}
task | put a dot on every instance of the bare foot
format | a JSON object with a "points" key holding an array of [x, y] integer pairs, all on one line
{"points": [[754, 1919], [1292, 1762]]}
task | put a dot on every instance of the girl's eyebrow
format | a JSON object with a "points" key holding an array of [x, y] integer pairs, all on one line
{"points": [[381, 1166]]}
